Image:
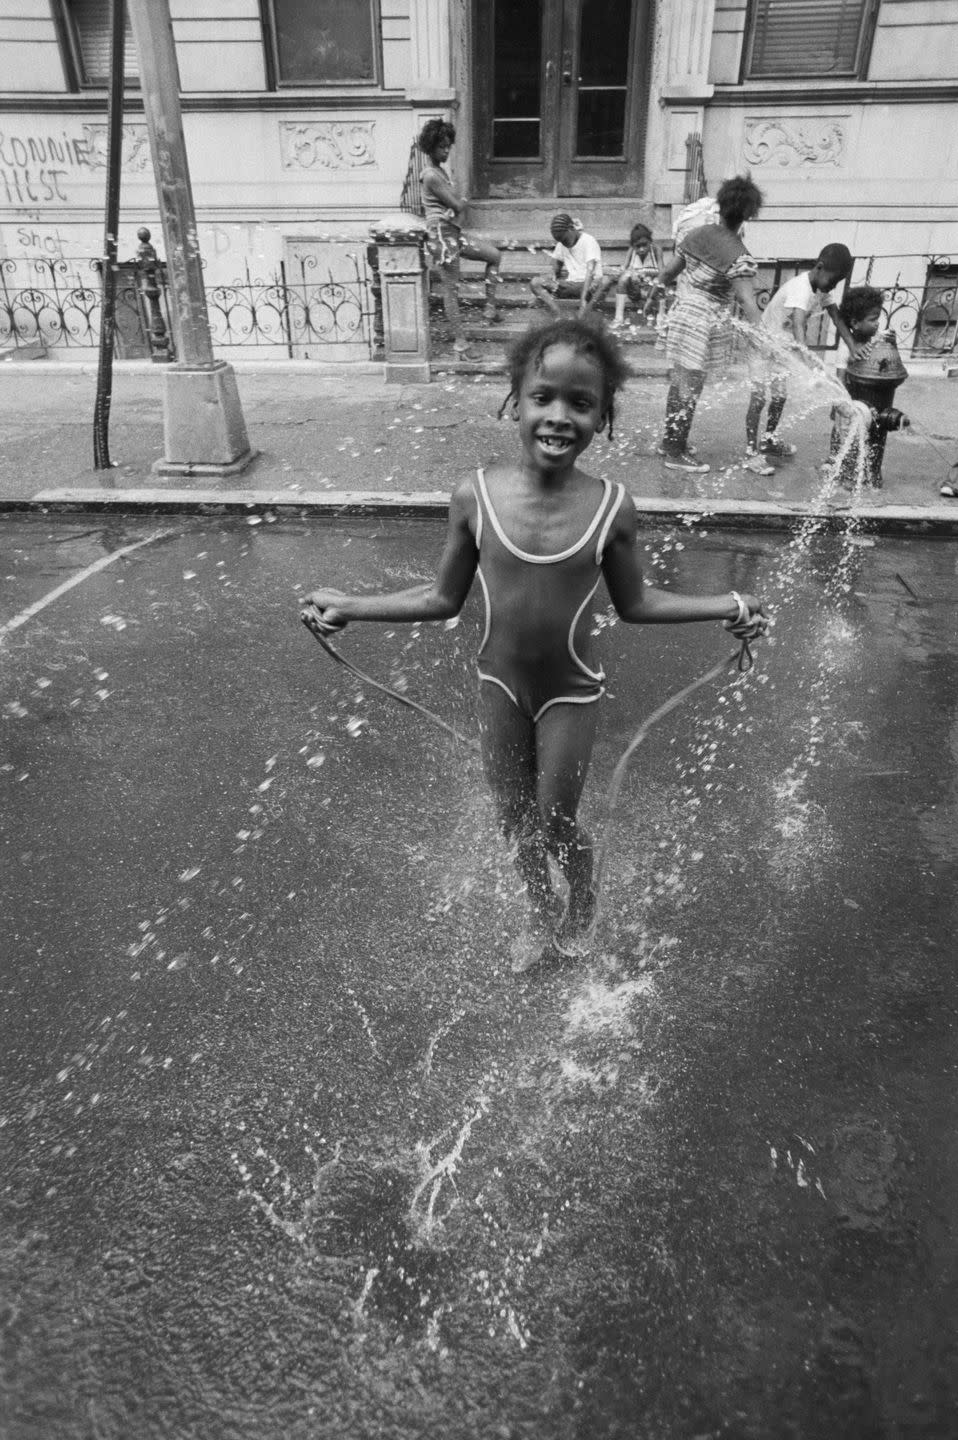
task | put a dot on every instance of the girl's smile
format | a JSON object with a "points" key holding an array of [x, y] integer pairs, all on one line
{"points": [[560, 407]]}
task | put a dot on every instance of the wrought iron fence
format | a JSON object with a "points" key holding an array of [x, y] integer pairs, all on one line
{"points": [[56, 304], [300, 307], [922, 307], [919, 291]]}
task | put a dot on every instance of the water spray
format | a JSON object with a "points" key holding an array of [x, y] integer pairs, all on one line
{"points": [[743, 661]]}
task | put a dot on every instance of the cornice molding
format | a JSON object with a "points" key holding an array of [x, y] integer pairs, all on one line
{"points": [[95, 104], [792, 95]]}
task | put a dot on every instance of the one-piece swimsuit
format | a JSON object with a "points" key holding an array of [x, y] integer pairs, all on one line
{"points": [[536, 645]]}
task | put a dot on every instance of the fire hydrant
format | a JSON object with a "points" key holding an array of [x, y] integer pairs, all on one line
{"points": [[871, 381]]}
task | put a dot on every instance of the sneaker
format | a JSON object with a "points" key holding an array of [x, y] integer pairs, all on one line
{"points": [[756, 464], [690, 449], [491, 315], [687, 462], [771, 445], [462, 352]]}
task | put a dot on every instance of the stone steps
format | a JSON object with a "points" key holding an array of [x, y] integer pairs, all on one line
{"points": [[519, 309], [608, 218]]}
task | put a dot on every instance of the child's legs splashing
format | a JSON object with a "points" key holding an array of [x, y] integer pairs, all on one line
{"points": [[565, 736], [778, 395], [756, 404], [684, 391], [509, 758]]}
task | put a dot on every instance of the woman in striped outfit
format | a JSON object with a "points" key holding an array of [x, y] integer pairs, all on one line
{"points": [[718, 271]]}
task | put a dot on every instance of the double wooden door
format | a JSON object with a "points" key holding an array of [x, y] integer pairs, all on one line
{"points": [[561, 96]]}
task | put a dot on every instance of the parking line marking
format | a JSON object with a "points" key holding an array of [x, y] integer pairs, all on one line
{"points": [[81, 575]]}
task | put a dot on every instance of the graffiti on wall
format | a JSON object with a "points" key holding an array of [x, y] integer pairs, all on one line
{"points": [[33, 241], [135, 153], [34, 169], [38, 168]]}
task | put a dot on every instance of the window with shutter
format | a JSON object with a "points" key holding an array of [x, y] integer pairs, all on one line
{"points": [[86, 24], [322, 42], [804, 38]]}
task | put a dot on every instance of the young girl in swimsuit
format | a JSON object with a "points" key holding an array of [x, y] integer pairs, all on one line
{"points": [[541, 534]]}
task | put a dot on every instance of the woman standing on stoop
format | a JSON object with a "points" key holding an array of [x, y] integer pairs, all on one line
{"points": [[442, 208]]}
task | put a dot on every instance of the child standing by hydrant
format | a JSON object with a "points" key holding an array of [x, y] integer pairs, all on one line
{"points": [[871, 377]]}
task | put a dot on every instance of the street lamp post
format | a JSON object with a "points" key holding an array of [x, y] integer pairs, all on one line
{"points": [[204, 429]]}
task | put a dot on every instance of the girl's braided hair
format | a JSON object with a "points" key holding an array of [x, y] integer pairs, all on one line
{"points": [[584, 337]]}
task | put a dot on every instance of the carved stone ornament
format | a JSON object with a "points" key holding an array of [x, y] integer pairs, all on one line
{"points": [[795, 142], [136, 147], [327, 144]]}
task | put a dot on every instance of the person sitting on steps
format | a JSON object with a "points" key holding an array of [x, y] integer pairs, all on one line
{"points": [[636, 280], [448, 242], [576, 268]]}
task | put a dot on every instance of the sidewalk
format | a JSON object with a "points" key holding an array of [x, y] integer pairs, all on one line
{"points": [[342, 440]]}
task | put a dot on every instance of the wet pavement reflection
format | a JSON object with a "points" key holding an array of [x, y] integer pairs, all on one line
{"points": [[287, 1149]]}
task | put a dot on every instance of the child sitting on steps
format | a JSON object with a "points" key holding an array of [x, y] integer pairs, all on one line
{"points": [[636, 280], [576, 267]]}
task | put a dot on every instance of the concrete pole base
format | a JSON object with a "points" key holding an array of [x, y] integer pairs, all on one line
{"points": [[416, 372], [203, 426]]}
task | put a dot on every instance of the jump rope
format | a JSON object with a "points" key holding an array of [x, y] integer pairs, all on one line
{"points": [[743, 629]]}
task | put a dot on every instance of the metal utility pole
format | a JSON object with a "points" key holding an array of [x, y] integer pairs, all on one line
{"points": [[111, 224], [204, 429]]}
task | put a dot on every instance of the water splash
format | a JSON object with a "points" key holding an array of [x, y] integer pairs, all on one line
{"points": [[435, 1173]]}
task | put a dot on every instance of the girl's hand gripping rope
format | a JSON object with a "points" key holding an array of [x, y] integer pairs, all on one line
{"points": [[320, 614], [749, 624]]}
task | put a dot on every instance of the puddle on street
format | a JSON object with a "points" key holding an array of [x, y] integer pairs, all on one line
{"points": [[289, 1151]]}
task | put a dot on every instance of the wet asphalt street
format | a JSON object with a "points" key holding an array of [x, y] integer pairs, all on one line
{"points": [[286, 1150]]}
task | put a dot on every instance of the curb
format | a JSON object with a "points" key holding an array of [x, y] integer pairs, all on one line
{"points": [[932, 521]]}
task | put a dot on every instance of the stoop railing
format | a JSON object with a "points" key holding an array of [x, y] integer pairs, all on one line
{"points": [[694, 168], [411, 199]]}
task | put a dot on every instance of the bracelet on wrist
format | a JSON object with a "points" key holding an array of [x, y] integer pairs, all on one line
{"points": [[743, 611]]}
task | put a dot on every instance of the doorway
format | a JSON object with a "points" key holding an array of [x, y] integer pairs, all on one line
{"points": [[561, 96]]}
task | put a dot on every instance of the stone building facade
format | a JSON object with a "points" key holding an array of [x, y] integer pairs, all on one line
{"points": [[300, 116]]}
